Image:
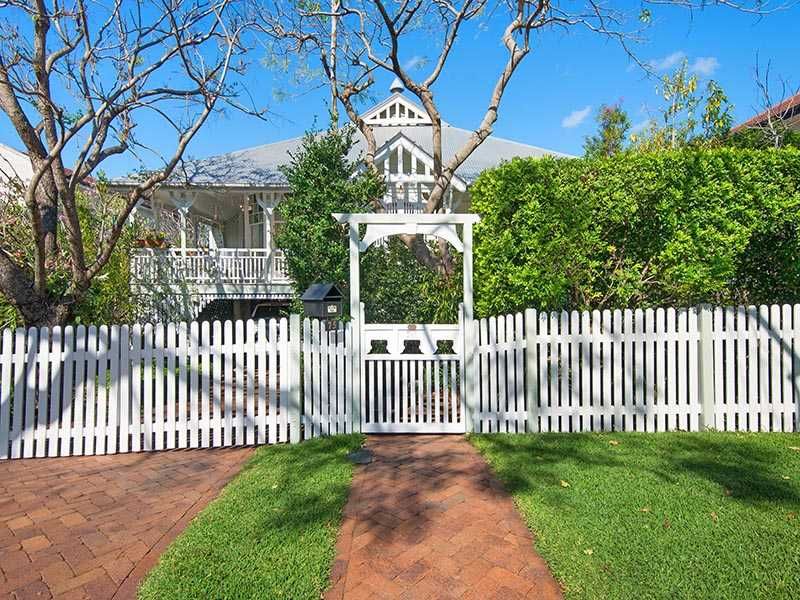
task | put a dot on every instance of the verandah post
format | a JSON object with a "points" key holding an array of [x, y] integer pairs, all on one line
{"points": [[705, 366], [295, 378]]}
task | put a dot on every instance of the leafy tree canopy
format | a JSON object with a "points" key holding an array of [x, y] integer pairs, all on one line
{"points": [[322, 181], [613, 125], [108, 299], [686, 117]]}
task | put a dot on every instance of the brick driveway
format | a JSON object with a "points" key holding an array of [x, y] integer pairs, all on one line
{"points": [[427, 519], [92, 527]]}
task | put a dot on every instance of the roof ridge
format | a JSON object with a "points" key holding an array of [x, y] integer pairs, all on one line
{"points": [[20, 152], [250, 148]]}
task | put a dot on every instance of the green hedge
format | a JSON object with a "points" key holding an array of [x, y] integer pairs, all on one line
{"points": [[639, 229]]}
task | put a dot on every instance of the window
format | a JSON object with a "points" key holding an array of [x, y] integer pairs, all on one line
{"points": [[255, 219]]}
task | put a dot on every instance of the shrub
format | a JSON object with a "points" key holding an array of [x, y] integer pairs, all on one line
{"points": [[639, 229], [109, 298], [321, 182]]}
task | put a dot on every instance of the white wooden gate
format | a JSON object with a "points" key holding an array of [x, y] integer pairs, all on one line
{"points": [[412, 379], [412, 383]]}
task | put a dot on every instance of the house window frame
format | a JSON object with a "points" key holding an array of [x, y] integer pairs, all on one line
{"points": [[264, 205]]}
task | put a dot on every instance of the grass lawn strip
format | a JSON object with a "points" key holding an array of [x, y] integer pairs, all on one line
{"points": [[659, 515], [271, 532]]}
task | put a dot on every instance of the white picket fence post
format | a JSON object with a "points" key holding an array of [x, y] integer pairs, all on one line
{"points": [[468, 353], [795, 382], [705, 367], [295, 380], [532, 392]]}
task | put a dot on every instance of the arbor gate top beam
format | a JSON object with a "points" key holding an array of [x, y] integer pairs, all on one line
{"points": [[406, 218]]}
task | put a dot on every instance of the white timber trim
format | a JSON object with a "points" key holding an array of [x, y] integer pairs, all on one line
{"points": [[402, 219], [413, 114], [376, 232], [418, 155]]}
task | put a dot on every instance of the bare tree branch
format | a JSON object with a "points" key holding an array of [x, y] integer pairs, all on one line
{"points": [[109, 61], [376, 35]]}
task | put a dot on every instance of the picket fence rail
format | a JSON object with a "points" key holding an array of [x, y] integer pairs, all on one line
{"points": [[102, 390]]}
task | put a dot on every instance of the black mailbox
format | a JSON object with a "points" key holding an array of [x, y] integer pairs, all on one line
{"points": [[323, 301]]}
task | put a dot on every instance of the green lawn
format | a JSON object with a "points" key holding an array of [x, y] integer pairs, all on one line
{"points": [[667, 515], [270, 534]]}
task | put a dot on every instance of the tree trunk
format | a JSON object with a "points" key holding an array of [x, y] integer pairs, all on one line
{"points": [[37, 310], [46, 313]]}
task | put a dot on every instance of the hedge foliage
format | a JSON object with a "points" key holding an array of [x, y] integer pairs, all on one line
{"points": [[639, 229]]}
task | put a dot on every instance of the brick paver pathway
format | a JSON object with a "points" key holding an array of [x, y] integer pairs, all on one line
{"points": [[92, 527], [427, 519]]}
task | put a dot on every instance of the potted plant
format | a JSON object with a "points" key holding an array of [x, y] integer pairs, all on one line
{"points": [[151, 239]]}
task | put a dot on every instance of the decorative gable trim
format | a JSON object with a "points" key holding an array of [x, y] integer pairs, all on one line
{"points": [[421, 163], [396, 110]]}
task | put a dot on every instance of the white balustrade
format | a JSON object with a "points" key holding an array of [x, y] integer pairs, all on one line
{"points": [[209, 266]]}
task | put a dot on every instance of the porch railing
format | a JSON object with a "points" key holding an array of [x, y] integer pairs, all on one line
{"points": [[209, 266]]}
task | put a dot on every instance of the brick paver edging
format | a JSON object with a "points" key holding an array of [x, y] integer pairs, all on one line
{"points": [[427, 519]]}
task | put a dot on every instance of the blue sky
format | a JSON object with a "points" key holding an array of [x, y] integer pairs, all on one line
{"points": [[554, 96]]}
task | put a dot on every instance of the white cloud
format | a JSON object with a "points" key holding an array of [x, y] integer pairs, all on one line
{"points": [[667, 62], [702, 65], [641, 126], [705, 65], [576, 117], [415, 62]]}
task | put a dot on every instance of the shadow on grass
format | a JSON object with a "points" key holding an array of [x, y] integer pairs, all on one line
{"points": [[270, 533], [304, 492], [747, 471]]}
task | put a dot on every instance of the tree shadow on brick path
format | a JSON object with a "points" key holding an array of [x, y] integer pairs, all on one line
{"points": [[428, 517], [85, 524]]}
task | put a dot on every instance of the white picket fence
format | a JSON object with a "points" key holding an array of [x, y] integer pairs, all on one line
{"points": [[327, 389], [731, 369], [101, 390]]}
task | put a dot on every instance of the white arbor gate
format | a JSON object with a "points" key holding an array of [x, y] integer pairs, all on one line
{"points": [[411, 378]]}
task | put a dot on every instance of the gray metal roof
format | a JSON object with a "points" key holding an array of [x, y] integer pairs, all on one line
{"points": [[259, 166]]}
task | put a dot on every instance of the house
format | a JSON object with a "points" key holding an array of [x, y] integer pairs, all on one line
{"points": [[227, 208], [15, 169], [786, 112]]}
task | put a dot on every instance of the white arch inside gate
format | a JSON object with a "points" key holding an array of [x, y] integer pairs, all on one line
{"points": [[382, 225]]}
